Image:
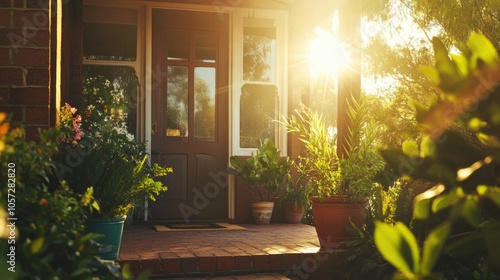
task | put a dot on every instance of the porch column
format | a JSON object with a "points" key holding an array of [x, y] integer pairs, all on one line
{"points": [[349, 78]]}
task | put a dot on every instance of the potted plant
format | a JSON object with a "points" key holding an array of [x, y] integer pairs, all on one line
{"points": [[340, 184], [293, 202], [99, 153], [263, 172]]}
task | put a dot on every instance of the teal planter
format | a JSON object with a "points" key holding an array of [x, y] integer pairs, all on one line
{"points": [[112, 229]]}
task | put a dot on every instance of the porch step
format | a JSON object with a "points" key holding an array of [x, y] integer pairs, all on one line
{"points": [[291, 251]]}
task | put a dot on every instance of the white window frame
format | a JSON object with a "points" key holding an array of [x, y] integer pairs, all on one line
{"points": [[281, 19], [136, 65]]}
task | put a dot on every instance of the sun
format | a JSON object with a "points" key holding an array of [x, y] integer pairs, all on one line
{"points": [[328, 55]]}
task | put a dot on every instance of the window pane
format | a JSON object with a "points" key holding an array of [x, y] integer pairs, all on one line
{"points": [[258, 112], [177, 43], [122, 78], [205, 45], [107, 41], [204, 103], [177, 101], [259, 50]]}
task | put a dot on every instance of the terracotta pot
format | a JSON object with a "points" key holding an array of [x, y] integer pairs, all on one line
{"points": [[262, 212], [290, 215], [331, 219]]}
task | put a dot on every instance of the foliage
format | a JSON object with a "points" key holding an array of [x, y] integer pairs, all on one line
{"points": [[49, 230], [328, 174], [466, 189], [296, 196], [264, 172], [106, 157]]}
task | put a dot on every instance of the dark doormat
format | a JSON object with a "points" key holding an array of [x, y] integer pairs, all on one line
{"points": [[194, 226], [197, 227]]}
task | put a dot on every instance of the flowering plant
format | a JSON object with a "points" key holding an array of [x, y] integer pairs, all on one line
{"points": [[102, 154]]}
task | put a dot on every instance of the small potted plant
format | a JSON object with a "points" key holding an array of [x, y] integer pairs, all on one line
{"points": [[263, 172], [99, 153], [337, 183], [293, 202]]}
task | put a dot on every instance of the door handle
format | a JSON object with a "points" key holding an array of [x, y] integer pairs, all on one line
{"points": [[156, 152], [154, 128]]}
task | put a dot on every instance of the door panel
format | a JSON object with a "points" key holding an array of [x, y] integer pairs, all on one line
{"points": [[190, 112]]}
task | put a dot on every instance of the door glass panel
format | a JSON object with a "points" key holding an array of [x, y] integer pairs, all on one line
{"points": [[177, 101], [258, 109], [177, 44], [259, 50], [204, 103], [205, 47]]}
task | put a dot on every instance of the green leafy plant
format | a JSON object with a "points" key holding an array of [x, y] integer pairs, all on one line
{"points": [[48, 238], [295, 196], [97, 151], [264, 172], [466, 189], [327, 173]]}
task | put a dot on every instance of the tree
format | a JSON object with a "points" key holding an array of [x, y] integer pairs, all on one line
{"points": [[398, 51]]}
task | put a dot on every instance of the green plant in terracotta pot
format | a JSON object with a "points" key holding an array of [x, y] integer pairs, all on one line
{"points": [[98, 152], [293, 202], [264, 172], [334, 181]]}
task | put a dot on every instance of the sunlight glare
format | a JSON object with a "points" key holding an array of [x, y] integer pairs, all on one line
{"points": [[327, 53]]}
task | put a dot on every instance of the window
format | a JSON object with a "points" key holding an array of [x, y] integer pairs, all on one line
{"points": [[259, 83], [110, 49]]}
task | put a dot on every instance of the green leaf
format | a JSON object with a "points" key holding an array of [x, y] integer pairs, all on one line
{"points": [[433, 247], [410, 148], [37, 245], [461, 61], [447, 200], [428, 147], [471, 212], [465, 244], [398, 246], [421, 209], [482, 49], [492, 193], [491, 231], [449, 74], [422, 202], [430, 72]]}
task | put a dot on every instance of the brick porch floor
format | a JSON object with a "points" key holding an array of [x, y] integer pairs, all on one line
{"points": [[291, 250]]}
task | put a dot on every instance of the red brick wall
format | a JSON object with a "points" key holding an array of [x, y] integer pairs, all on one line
{"points": [[24, 62]]}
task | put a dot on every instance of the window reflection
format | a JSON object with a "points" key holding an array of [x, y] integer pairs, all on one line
{"points": [[122, 78], [204, 103], [177, 101], [258, 112], [259, 50]]}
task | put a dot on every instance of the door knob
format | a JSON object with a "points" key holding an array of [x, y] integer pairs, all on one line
{"points": [[156, 152], [154, 128]]}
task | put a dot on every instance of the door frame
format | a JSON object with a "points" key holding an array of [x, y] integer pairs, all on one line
{"points": [[152, 80]]}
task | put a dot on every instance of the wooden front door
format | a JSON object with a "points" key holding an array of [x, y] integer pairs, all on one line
{"points": [[190, 113]]}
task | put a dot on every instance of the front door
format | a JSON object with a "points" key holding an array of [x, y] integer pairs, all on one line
{"points": [[190, 113]]}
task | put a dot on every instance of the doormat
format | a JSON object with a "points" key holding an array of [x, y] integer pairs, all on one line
{"points": [[198, 227]]}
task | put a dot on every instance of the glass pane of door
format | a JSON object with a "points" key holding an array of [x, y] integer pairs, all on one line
{"points": [[204, 103], [177, 101]]}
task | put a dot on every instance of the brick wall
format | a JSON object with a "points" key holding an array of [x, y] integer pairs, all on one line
{"points": [[24, 63]]}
